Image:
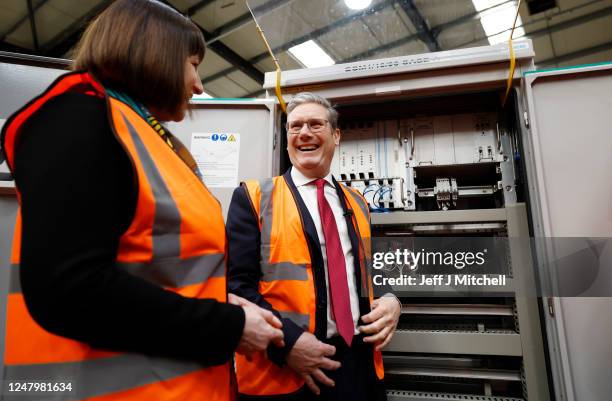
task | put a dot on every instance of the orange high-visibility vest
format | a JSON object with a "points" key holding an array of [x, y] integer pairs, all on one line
{"points": [[287, 278], [176, 240]]}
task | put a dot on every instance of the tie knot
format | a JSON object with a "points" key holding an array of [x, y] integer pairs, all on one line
{"points": [[319, 182]]}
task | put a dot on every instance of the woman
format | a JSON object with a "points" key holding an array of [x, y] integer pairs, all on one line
{"points": [[119, 246]]}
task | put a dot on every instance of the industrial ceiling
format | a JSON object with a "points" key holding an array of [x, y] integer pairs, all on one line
{"points": [[567, 32]]}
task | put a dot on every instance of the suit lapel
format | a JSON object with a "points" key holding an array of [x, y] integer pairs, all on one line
{"points": [[316, 257], [309, 226]]}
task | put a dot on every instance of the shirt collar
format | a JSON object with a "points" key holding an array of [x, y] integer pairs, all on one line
{"points": [[299, 179]]}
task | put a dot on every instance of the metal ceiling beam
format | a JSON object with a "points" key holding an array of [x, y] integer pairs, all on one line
{"points": [[234, 58], [571, 23], [32, 18], [222, 50], [197, 7], [246, 19], [14, 27], [577, 54], [65, 40], [424, 33], [312, 35], [9, 47]]}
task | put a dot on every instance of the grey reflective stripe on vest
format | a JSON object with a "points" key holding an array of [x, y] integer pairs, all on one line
{"points": [[14, 282], [298, 318], [265, 218], [179, 273], [283, 271], [166, 267], [168, 273], [99, 376], [362, 205], [167, 221], [280, 270]]}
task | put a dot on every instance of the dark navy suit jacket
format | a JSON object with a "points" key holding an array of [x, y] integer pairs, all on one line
{"points": [[244, 268]]}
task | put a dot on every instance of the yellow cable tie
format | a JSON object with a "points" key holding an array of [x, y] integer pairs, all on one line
{"points": [[512, 57], [279, 93]]}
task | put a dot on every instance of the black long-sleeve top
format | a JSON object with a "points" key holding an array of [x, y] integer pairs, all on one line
{"points": [[78, 196]]}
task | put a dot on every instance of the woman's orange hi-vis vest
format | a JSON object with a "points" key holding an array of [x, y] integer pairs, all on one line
{"points": [[287, 278], [176, 240]]}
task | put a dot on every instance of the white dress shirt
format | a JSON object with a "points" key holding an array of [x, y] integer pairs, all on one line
{"points": [[308, 192]]}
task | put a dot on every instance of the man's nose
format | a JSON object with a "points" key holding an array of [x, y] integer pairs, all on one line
{"points": [[305, 130]]}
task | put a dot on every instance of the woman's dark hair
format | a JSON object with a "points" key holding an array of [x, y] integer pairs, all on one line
{"points": [[140, 46]]}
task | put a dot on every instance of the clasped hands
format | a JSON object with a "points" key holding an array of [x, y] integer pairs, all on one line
{"points": [[261, 327], [309, 355]]}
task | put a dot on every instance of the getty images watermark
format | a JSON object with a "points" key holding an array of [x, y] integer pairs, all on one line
{"points": [[411, 261], [492, 266]]}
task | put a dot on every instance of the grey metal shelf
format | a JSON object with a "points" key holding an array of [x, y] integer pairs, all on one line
{"points": [[393, 395], [436, 217], [502, 342], [463, 373], [458, 309]]}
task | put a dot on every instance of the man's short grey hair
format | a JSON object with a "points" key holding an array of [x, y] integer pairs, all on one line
{"points": [[308, 97]]}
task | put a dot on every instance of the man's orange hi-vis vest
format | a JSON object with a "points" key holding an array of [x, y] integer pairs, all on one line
{"points": [[287, 278], [176, 240]]}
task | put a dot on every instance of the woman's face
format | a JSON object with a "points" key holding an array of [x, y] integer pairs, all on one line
{"points": [[193, 85]]}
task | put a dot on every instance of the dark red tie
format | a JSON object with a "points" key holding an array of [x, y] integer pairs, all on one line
{"points": [[336, 267]]}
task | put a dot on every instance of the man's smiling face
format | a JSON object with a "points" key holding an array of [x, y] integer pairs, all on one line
{"points": [[311, 152]]}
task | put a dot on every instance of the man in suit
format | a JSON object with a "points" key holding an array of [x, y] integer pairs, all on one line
{"points": [[298, 246]]}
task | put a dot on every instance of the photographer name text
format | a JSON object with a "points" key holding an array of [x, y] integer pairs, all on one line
{"points": [[435, 280]]}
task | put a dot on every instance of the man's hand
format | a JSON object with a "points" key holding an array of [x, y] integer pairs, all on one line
{"points": [[261, 327], [381, 321], [308, 356]]}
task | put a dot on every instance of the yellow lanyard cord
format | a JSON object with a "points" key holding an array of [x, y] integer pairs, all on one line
{"points": [[512, 57], [277, 90]]}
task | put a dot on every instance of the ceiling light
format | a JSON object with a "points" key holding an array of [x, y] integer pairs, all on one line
{"points": [[497, 19], [311, 55], [357, 4]]}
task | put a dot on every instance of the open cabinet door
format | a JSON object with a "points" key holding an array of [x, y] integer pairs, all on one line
{"points": [[568, 156], [232, 140]]}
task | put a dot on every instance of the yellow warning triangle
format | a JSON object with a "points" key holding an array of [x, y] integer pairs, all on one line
{"points": [[231, 138]]}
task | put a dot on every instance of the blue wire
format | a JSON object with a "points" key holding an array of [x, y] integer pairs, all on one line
{"points": [[377, 204], [383, 193]]}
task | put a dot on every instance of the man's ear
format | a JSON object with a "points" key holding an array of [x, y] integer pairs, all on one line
{"points": [[337, 136]]}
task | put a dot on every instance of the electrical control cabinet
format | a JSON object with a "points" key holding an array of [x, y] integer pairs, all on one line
{"points": [[426, 140], [409, 163]]}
